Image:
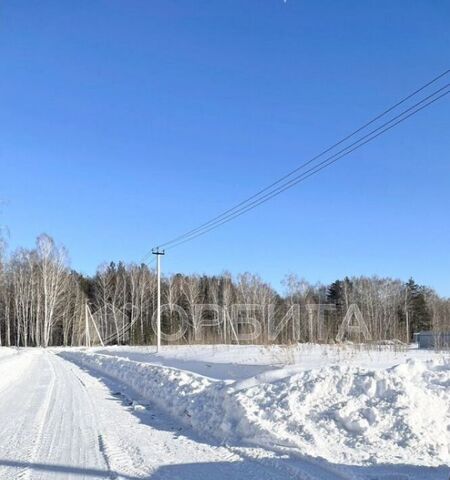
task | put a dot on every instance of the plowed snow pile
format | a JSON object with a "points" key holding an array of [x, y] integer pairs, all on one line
{"points": [[347, 415], [357, 416]]}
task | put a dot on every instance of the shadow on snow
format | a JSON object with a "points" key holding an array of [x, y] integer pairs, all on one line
{"points": [[298, 465]]}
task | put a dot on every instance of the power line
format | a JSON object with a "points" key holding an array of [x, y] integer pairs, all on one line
{"points": [[145, 259], [316, 169], [242, 204]]}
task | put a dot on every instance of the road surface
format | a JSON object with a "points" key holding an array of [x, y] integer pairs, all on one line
{"points": [[60, 422]]}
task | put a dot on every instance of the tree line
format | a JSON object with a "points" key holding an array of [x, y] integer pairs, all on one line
{"points": [[43, 303]]}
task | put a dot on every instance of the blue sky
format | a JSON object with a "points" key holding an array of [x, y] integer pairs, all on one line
{"points": [[126, 123]]}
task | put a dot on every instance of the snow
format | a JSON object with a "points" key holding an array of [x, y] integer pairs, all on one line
{"points": [[308, 412], [239, 362], [60, 423], [7, 352], [358, 416], [356, 408]]}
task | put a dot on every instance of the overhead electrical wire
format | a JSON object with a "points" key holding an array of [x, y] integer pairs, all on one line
{"points": [[247, 204], [377, 117], [327, 162]]}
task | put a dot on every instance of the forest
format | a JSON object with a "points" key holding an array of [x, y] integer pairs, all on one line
{"points": [[43, 302]]}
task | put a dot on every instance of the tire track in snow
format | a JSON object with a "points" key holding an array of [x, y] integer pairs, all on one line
{"points": [[116, 458], [121, 459], [72, 433], [42, 417], [260, 463], [48, 432], [25, 430]]}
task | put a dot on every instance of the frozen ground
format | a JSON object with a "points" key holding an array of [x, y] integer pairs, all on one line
{"points": [[312, 413], [231, 362]]}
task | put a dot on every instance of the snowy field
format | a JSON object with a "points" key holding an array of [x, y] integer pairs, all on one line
{"points": [[308, 412]]}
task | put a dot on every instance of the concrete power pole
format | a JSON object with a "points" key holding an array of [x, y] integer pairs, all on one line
{"points": [[407, 327], [88, 333], [158, 254]]}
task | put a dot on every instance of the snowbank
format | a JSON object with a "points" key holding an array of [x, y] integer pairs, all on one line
{"points": [[347, 415], [357, 416], [238, 362], [13, 363], [8, 352]]}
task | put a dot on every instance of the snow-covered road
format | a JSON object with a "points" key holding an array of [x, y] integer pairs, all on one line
{"points": [[76, 414], [59, 422]]}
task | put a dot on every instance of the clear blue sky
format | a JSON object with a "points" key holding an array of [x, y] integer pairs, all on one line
{"points": [[124, 123]]}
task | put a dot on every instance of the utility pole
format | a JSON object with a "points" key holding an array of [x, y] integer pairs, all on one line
{"points": [[88, 334], [156, 251], [407, 326], [407, 314]]}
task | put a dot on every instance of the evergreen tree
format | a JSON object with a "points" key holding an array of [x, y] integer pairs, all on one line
{"points": [[334, 294], [416, 306]]}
